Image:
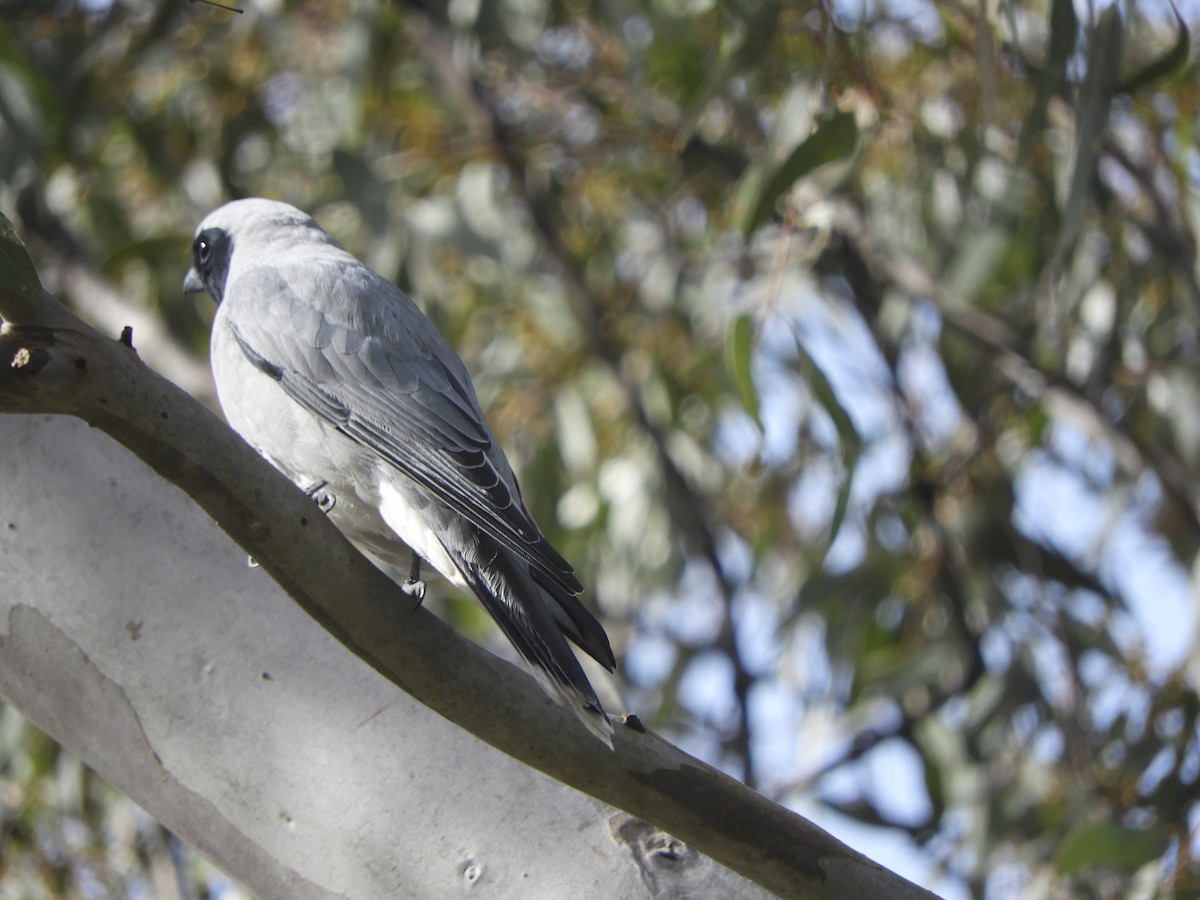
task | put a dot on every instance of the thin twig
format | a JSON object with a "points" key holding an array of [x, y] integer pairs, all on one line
{"points": [[220, 6]]}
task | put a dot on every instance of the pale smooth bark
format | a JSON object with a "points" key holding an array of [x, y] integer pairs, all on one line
{"points": [[133, 631]]}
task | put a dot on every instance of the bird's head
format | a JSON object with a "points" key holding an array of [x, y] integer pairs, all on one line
{"points": [[245, 230]]}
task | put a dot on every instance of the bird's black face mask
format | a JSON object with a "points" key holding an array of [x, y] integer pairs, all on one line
{"points": [[210, 263]]}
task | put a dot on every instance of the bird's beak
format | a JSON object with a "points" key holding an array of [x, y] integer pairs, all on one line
{"points": [[192, 282]]}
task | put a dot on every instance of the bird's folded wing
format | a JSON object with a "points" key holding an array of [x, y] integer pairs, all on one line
{"points": [[382, 375]]}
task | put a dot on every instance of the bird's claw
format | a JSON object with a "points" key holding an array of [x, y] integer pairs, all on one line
{"points": [[414, 588]]}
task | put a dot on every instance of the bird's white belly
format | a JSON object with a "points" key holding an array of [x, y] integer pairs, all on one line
{"points": [[411, 526]]}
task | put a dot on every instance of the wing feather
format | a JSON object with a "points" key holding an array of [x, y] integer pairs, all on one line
{"points": [[384, 377]]}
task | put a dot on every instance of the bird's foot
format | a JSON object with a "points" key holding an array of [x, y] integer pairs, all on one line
{"points": [[415, 587]]}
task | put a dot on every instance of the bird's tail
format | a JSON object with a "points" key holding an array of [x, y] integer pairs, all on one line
{"points": [[537, 616]]}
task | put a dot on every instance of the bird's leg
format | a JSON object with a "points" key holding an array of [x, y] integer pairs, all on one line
{"points": [[415, 587], [324, 499]]}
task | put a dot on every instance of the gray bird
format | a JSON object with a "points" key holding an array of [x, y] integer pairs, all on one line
{"points": [[336, 377]]}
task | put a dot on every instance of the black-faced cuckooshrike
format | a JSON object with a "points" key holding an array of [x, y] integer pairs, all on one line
{"points": [[335, 376]]}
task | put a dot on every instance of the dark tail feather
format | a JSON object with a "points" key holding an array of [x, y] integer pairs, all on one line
{"points": [[535, 621], [576, 622]]}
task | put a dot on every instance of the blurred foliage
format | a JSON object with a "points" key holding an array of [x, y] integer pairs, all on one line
{"points": [[849, 349]]}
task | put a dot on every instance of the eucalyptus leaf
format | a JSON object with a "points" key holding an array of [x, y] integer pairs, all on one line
{"points": [[739, 351], [1105, 42], [1111, 846], [834, 139]]}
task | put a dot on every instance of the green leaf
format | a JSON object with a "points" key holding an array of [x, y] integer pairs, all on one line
{"points": [[1105, 42], [851, 442], [1064, 35], [759, 191], [934, 783], [737, 359], [842, 504], [1111, 846]]}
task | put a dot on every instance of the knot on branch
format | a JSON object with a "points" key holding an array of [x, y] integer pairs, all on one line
{"points": [[661, 858], [41, 369]]}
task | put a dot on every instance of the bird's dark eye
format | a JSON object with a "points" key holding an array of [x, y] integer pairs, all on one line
{"points": [[211, 251]]}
